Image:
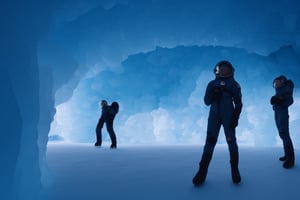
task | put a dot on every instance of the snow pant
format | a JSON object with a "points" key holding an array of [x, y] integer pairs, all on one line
{"points": [[110, 130], [282, 124], [99, 131], [215, 121]]}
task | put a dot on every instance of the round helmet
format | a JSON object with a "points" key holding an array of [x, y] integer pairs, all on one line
{"points": [[224, 69], [279, 81], [103, 102]]}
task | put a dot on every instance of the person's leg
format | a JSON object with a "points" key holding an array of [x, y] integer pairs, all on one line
{"points": [[233, 150], [99, 133], [282, 122], [278, 126], [213, 128], [111, 132]]}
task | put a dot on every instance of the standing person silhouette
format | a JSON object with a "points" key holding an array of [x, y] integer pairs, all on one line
{"points": [[107, 116], [282, 99], [223, 95]]}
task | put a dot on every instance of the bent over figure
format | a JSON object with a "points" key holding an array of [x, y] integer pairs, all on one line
{"points": [[107, 116], [223, 94], [282, 99]]}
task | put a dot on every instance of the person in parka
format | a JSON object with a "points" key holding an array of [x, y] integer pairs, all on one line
{"points": [[223, 95], [107, 116], [282, 99]]}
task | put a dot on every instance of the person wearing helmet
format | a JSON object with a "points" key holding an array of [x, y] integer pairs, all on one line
{"points": [[282, 99], [107, 116], [223, 95]]}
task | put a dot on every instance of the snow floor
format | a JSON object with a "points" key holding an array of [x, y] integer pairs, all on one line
{"points": [[82, 172]]}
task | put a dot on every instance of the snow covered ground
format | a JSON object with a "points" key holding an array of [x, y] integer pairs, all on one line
{"points": [[81, 171]]}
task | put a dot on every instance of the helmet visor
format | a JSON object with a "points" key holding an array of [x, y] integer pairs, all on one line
{"points": [[277, 84], [223, 71]]}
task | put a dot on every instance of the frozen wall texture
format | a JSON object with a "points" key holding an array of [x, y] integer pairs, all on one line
{"points": [[161, 95], [20, 31], [27, 103], [102, 37]]}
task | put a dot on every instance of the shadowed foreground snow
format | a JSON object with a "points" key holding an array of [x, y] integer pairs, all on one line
{"points": [[81, 171]]}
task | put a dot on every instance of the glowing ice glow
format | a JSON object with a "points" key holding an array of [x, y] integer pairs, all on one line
{"points": [[161, 97], [115, 46]]}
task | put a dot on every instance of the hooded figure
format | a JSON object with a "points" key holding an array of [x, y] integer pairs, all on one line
{"points": [[223, 95], [282, 99]]}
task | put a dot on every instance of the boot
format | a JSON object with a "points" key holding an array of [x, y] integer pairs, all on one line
{"points": [[97, 144], [113, 142], [235, 173], [283, 158], [99, 141], [200, 176], [290, 160]]}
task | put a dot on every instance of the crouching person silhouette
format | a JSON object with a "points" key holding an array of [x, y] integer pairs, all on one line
{"points": [[223, 94], [107, 116], [282, 99]]}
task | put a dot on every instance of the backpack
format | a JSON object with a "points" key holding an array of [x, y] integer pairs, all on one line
{"points": [[114, 108], [290, 84]]}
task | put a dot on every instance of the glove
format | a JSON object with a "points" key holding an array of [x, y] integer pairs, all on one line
{"points": [[234, 122], [276, 100], [217, 93], [235, 117]]}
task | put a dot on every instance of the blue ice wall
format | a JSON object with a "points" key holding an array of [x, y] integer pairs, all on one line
{"points": [[171, 82], [20, 31], [102, 37], [11, 124]]}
